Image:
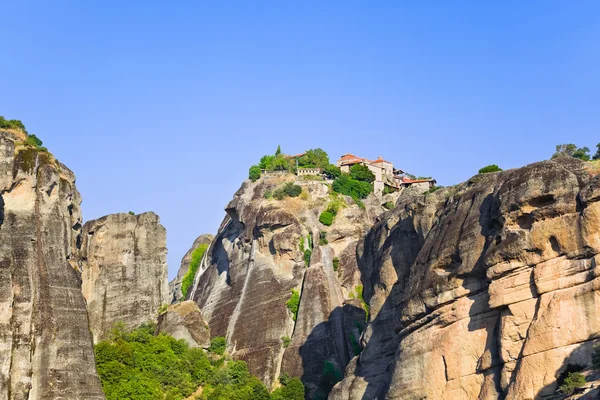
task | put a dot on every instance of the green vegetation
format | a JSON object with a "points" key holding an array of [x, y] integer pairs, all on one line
{"points": [[268, 194], [188, 278], [490, 168], [289, 189], [307, 255], [140, 365], [433, 189], [356, 348], [163, 308], [572, 381], [326, 218], [571, 150], [388, 189], [358, 294], [348, 186], [335, 205], [330, 376], [293, 303], [362, 173], [254, 173], [131, 213], [314, 158], [285, 340], [332, 172], [336, 263], [218, 345], [291, 389], [12, 124], [323, 238], [389, 205]]}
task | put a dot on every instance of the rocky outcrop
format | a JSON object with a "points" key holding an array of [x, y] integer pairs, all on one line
{"points": [[46, 348], [124, 271], [175, 285], [184, 321], [263, 250], [485, 290]]}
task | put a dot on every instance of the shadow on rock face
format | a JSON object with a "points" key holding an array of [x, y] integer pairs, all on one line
{"points": [[328, 349]]}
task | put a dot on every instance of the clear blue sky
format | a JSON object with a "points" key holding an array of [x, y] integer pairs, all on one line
{"points": [[163, 105]]}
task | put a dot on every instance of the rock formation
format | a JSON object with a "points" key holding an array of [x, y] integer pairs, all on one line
{"points": [[184, 321], [46, 348], [124, 271], [485, 290], [175, 285], [263, 250]]}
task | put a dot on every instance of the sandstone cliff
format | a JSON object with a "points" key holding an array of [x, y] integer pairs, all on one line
{"points": [[184, 321], [124, 270], [175, 284], [263, 250], [485, 290], [46, 348]]}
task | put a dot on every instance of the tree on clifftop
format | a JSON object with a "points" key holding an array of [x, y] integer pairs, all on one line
{"points": [[571, 150]]}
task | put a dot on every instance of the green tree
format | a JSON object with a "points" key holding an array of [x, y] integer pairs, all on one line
{"points": [[266, 162], [293, 390], [571, 150], [574, 380], [314, 158], [582, 153], [362, 173], [278, 151], [597, 155], [218, 344], [254, 173], [331, 171], [294, 303], [490, 168], [352, 187]]}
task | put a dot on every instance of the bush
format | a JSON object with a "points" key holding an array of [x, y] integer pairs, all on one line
{"points": [[307, 256], [332, 172], [289, 189], [352, 187], [292, 190], [362, 173], [388, 189], [571, 150], [336, 263], [490, 168], [268, 194], [254, 173], [12, 124], [131, 213], [433, 189], [294, 303], [323, 238], [573, 380], [163, 308], [326, 218], [188, 279], [286, 341], [218, 345], [292, 390], [141, 366], [389, 205]]}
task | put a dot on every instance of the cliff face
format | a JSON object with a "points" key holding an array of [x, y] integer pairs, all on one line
{"points": [[46, 348], [485, 290], [175, 285], [124, 270], [255, 260]]}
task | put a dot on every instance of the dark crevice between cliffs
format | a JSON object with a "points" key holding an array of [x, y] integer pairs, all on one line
{"points": [[1, 211]]}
